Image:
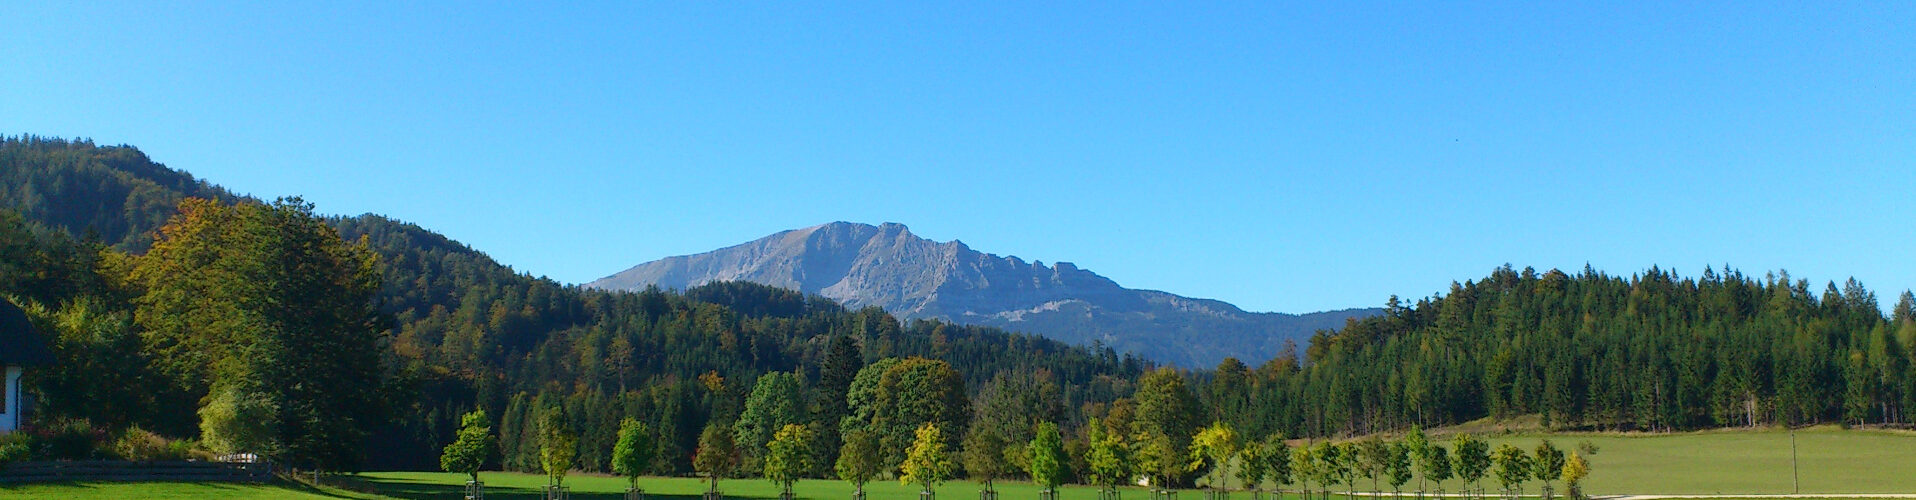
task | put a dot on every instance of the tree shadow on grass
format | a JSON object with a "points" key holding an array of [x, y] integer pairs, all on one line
{"points": [[290, 485], [423, 490]]}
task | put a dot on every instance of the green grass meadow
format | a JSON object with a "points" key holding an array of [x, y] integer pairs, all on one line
{"points": [[1832, 461], [1829, 461]]}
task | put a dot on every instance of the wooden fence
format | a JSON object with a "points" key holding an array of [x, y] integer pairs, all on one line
{"points": [[119, 470]]}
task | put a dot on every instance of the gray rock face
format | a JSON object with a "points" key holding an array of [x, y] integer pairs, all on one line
{"points": [[887, 266]]}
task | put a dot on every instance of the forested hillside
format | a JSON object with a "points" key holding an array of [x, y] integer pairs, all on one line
{"points": [[114, 194], [1655, 351], [467, 332]]}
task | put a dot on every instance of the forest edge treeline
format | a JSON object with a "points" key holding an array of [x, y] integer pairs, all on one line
{"points": [[457, 332]]}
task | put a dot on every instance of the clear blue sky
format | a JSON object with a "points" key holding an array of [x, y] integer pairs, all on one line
{"points": [[1283, 157]]}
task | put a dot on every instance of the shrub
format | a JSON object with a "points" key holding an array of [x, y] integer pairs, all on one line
{"points": [[141, 445], [70, 439], [15, 447]]}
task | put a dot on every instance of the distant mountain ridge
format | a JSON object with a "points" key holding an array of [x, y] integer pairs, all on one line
{"points": [[912, 277]]}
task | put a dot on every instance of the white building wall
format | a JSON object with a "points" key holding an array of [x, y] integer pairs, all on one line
{"points": [[11, 419]]}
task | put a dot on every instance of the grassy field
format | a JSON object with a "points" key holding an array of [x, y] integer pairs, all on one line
{"points": [[421, 485], [508, 486], [171, 491], [1832, 461]]}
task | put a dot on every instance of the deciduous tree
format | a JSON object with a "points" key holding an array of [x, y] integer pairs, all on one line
{"points": [[926, 462], [1047, 462], [984, 455], [1574, 470], [1397, 467], [558, 445], [716, 455], [858, 460], [633, 454], [1472, 459], [777, 400], [1213, 447], [473, 445], [788, 456], [1547, 463], [1513, 467]]}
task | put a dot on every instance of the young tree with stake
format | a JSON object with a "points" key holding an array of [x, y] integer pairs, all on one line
{"points": [[1574, 470], [1047, 462], [558, 446], [858, 460], [1304, 466], [1547, 465], [716, 455], [1472, 460], [633, 453], [788, 456], [1347, 464], [1397, 468], [1108, 459], [1436, 466], [926, 462], [1330, 463], [1214, 447], [1252, 467], [1419, 446], [1372, 454], [984, 456], [1513, 467], [1278, 459], [475, 443]]}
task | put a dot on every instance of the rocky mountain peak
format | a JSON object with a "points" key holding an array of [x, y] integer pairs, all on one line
{"points": [[912, 277]]}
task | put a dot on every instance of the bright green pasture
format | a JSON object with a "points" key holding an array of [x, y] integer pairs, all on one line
{"points": [[1831, 461], [503, 486], [175, 490], [1725, 462], [1707, 463]]}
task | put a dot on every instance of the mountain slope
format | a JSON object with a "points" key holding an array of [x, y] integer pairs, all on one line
{"points": [[888, 266], [469, 332]]}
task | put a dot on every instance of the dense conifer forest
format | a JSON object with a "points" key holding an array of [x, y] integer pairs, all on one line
{"points": [[455, 331]]}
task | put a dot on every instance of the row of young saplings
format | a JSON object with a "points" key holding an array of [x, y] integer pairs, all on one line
{"points": [[1111, 459], [1320, 468]]}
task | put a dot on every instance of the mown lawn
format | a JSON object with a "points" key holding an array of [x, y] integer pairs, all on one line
{"points": [[1832, 461], [175, 490], [503, 486], [1732, 462], [1723, 462]]}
